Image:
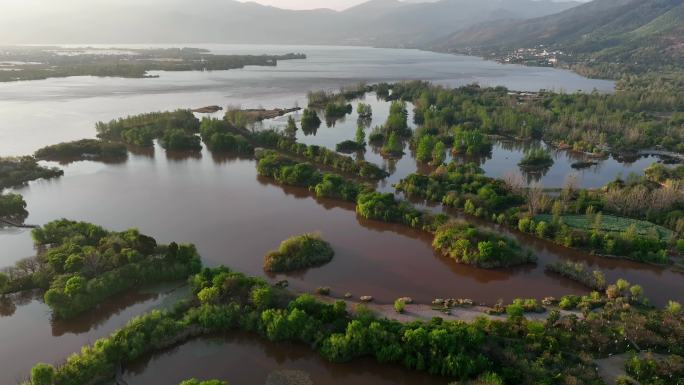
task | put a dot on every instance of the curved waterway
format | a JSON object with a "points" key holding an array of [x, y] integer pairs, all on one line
{"points": [[234, 217], [247, 359]]}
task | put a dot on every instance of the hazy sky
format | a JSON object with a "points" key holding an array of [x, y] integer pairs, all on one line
{"points": [[309, 4], [334, 4], [14, 7]]}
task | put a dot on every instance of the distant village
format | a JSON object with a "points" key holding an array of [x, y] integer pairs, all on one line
{"points": [[537, 56]]}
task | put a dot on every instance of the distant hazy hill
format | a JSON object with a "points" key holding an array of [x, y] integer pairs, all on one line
{"points": [[378, 22], [631, 32]]}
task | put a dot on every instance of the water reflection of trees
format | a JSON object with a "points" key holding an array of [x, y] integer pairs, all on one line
{"points": [[106, 160], [179, 156], [331, 121], [95, 318], [227, 158], [366, 122], [9, 303], [477, 159], [272, 358], [147, 152], [309, 131], [534, 175]]}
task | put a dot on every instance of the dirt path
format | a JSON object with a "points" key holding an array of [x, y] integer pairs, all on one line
{"points": [[422, 312]]}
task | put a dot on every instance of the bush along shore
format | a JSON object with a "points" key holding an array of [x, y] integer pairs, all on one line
{"points": [[574, 218], [12, 208], [484, 249], [80, 265], [18, 171], [515, 350], [85, 149], [176, 130]]}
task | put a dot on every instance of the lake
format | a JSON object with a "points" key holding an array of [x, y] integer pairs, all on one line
{"points": [[234, 217]]}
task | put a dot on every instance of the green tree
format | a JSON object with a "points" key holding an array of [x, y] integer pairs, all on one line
{"points": [[42, 374], [424, 149], [438, 153], [4, 282], [673, 307], [291, 129], [399, 305], [515, 310], [74, 286], [262, 297], [393, 145], [209, 295], [360, 136]]}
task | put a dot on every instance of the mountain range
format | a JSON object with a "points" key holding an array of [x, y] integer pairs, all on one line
{"points": [[388, 23]]}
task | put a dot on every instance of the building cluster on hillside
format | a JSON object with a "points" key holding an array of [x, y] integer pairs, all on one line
{"points": [[539, 55]]}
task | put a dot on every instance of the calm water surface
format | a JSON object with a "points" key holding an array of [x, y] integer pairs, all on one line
{"points": [[235, 217], [29, 336], [38, 113], [245, 359]]}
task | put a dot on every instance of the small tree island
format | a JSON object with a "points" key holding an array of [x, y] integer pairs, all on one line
{"points": [[299, 252], [535, 159]]}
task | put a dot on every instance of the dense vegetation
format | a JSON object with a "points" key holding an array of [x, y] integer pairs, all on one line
{"points": [[218, 135], [310, 121], [81, 264], [318, 155], [13, 207], [335, 111], [576, 218], [364, 110], [579, 272], [349, 146], [392, 135], [467, 244], [464, 186], [648, 369], [289, 172], [175, 128], [179, 140], [385, 207], [596, 123], [536, 158], [85, 149], [16, 172], [300, 252], [131, 63], [558, 350]]}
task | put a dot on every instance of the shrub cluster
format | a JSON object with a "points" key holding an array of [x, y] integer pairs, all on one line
{"points": [[467, 244], [15, 172], [175, 128], [83, 149], [12, 206], [219, 136], [579, 272], [299, 252], [83, 264], [289, 172]]}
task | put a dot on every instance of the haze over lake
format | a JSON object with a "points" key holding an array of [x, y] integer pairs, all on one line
{"points": [[38, 113]]}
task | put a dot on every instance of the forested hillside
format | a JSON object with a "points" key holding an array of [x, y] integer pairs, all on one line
{"points": [[602, 38]]}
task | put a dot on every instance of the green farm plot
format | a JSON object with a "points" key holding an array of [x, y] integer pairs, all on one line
{"points": [[611, 224]]}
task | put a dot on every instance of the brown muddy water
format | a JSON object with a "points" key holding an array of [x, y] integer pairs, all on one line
{"points": [[246, 359]]}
